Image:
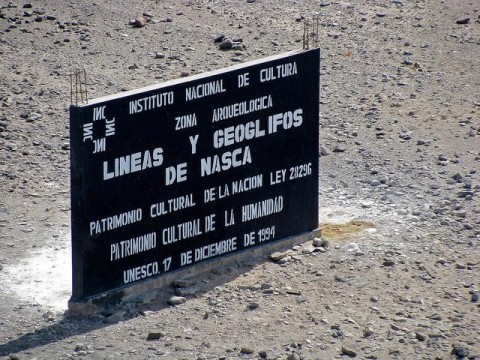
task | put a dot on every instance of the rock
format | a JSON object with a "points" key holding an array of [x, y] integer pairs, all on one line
{"points": [[263, 354], [14, 357], [155, 335], [27, 6], [80, 347], [375, 183], [463, 20], [367, 332], [348, 352], [219, 38], [176, 300], [246, 350], [159, 55], [475, 297], [457, 177], [460, 351], [140, 22], [352, 247], [226, 44], [388, 262], [320, 242], [293, 356], [116, 317], [323, 151], [339, 148], [253, 306], [189, 290], [277, 256], [420, 336], [34, 117]]}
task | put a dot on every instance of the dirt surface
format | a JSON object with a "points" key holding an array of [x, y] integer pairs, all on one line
{"points": [[396, 275]]}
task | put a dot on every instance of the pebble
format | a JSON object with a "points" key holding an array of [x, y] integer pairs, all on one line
{"points": [[320, 242], [34, 117], [388, 262], [226, 44], [176, 300], [463, 20], [340, 148], [116, 317], [419, 336], [247, 350], [460, 351], [140, 22], [352, 247], [348, 352], [155, 335], [277, 256], [475, 297]]}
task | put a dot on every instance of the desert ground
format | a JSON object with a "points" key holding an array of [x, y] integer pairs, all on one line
{"points": [[395, 274]]}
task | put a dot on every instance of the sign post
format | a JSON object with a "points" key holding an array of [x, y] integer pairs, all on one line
{"points": [[188, 171]]}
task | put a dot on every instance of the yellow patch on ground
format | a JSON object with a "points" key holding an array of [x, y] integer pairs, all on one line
{"points": [[344, 231]]}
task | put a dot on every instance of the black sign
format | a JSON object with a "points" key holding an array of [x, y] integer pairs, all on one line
{"points": [[191, 170]]}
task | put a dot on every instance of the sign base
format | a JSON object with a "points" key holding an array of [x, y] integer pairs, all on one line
{"points": [[257, 255]]}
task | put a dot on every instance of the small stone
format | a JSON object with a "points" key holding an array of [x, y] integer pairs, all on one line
{"points": [[463, 20], [253, 306], [226, 44], [420, 336], [320, 242], [323, 151], [388, 262], [140, 22], [159, 55], [176, 300], [475, 297], [348, 352], [80, 347], [34, 117], [155, 335], [375, 183], [367, 332], [460, 351], [458, 177], [294, 356], [189, 290], [263, 354], [460, 266], [14, 357], [219, 38], [352, 247], [118, 316], [339, 148], [27, 6], [247, 350], [277, 256]]}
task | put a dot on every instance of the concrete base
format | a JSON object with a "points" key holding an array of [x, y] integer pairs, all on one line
{"points": [[258, 254]]}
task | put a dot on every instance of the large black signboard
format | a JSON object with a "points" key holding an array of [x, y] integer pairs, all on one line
{"points": [[191, 170]]}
